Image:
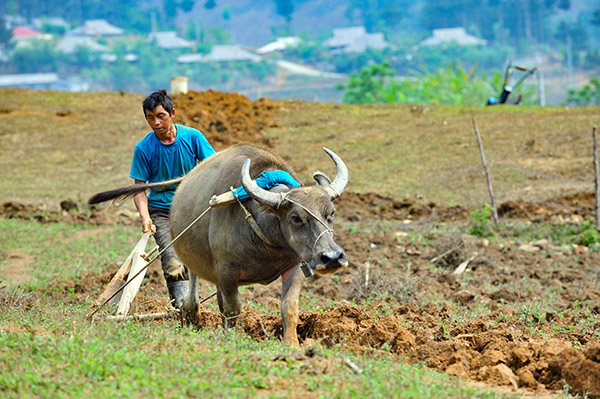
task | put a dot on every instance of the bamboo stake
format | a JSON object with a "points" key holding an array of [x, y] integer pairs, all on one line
{"points": [[487, 172], [597, 178]]}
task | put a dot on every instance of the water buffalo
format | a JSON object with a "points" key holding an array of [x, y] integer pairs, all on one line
{"points": [[296, 225]]}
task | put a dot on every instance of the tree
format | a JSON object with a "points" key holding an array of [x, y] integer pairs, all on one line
{"points": [[83, 57], [170, 7], [448, 14], [5, 35], [562, 4], [39, 57], [576, 33], [378, 12], [226, 13], [448, 86], [596, 18], [588, 95], [285, 8], [370, 85]]}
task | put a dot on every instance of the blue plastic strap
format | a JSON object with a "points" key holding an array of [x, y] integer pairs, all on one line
{"points": [[267, 180]]}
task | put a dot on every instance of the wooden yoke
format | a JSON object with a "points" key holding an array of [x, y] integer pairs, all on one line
{"points": [[221, 199]]}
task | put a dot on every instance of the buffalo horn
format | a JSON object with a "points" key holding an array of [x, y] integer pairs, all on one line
{"points": [[253, 190], [336, 188]]}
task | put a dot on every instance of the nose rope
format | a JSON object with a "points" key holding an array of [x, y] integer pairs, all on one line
{"points": [[317, 240]]}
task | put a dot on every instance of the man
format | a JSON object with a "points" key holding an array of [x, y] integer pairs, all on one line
{"points": [[168, 152]]}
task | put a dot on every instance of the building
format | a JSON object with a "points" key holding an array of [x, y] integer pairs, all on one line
{"points": [[452, 35], [10, 21], [30, 80], [355, 40], [109, 57], [220, 53], [39, 23], [44, 81], [229, 52], [96, 28], [170, 41], [23, 36], [281, 43]]}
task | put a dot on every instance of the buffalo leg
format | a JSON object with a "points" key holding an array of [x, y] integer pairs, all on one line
{"points": [[228, 297], [189, 309], [290, 294]]}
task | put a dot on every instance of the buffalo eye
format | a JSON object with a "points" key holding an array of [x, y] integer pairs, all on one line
{"points": [[296, 219], [331, 216]]}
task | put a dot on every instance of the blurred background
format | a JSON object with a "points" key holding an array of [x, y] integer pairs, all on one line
{"points": [[462, 52]]}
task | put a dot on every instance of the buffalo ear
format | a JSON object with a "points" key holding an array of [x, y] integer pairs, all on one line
{"points": [[321, 178]]}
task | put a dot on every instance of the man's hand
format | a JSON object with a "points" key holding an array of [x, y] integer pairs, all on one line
{"points": [[141, 203], [148, 226]]}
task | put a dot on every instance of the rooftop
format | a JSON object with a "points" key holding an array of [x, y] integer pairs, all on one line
{"points": [[96, 27], [281, 43], [169, 40], [355, 40], [458, 35], [28, 80], [220, 53]]}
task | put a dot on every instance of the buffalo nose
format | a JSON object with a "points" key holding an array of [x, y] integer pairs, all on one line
{"points": [[333, 259]]}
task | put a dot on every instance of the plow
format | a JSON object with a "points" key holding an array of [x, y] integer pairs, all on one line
{"points": [[124, 286]]}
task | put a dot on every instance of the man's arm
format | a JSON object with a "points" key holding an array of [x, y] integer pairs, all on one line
{"points": [[141, 203]]}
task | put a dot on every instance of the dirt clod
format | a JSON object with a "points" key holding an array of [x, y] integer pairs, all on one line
{"points": [[225, 118]]}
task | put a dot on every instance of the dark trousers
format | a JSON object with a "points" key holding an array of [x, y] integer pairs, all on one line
{"points": [[173, 268]]}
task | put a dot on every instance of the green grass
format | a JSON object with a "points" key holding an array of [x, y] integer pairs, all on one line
{"points": [[63, 251], [567, 234], [50, 349], [57, 353]]}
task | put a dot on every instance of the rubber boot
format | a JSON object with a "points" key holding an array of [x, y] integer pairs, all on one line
{"points": [[178, 291]]}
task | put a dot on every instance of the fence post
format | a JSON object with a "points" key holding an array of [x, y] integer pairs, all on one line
{"points": [[597, 178], [487, 172], [541, 88]]}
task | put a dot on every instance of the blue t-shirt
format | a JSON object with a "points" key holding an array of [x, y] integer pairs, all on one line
{"points": [[154, 161]]}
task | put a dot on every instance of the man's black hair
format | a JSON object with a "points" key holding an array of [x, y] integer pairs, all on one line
{"points": [[159, 97]]}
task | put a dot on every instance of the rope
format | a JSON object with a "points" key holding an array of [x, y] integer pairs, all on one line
{"points": [[255, 226], [327, 229]]}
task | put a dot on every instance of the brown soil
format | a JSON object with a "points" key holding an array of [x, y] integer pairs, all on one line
{"points": [[225, 118], [384, 301], [402, 294], [20, 270], [353, 207]]}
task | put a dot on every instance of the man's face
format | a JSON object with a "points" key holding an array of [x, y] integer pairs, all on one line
{"points": [[160, 120]]}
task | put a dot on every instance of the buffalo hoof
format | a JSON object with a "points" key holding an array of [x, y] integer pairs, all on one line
{"points": [[189, 311], [178, 290], [189, 316]]}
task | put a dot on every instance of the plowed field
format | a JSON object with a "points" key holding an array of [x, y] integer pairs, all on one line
{"points": [[509, 310]]}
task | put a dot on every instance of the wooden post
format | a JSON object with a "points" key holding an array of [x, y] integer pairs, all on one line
{"points": [[597, 178], [115, 283], [138, 264], [487, 172]]}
